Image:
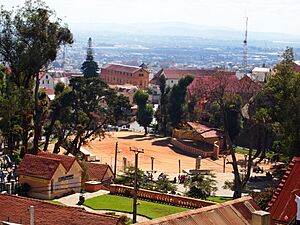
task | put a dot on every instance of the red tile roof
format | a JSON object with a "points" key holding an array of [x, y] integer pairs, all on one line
{"points": [[122, 68], [179, 73], [283, 206], [206, 132], [66, 161], [15, 209], [97, 171], [235, 212], [37, 166]]}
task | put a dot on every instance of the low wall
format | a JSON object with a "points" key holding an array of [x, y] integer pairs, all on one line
{"points": [[160, 197], [190, 149]]}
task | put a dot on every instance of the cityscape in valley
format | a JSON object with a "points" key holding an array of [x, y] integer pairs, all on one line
{"points": [[138, 120]]}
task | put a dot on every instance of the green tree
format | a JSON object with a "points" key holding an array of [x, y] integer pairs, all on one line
{"points": [[145, 110], [89, 67], [278, 103], [201, 186], [128, 177], [163, 184], [161, 115], [82, 113], [30, 38], [177, 101]]}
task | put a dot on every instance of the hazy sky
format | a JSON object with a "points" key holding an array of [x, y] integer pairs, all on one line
{"points": [[264, 15]]}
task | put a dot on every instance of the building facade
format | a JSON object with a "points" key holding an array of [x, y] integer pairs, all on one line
{"points": [[50, 176], [118, 74]]}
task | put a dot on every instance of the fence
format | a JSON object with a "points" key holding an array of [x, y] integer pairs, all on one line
{"points": [[160, 197]]}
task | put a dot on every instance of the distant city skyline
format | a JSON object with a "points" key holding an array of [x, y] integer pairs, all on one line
{"points": [[264, 16]]}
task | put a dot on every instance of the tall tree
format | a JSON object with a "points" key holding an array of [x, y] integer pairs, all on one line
{"points": [[30, 38], [161, 114], [89, 67], [82, 112], [145, 110], [279, 100], [177, 101]]}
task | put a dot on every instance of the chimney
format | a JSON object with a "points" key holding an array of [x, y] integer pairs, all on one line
{"points": [[260, 218], [31, 211]]}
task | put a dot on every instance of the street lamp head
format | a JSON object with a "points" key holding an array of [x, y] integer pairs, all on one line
{"points": [[224, 156], [200, 157], [152, 157]]}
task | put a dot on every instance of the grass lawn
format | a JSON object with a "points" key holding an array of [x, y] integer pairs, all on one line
{"points": [[218, 199], [124, 204]]}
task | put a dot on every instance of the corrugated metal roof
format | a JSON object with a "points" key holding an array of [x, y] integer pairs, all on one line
{"points": [[235, 212]]}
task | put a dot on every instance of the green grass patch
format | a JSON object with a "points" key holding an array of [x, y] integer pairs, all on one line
{"points": [[243, 151], [55, 202], [123, 204], [218, 199]]}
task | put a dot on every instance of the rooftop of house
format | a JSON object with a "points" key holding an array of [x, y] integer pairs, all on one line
{"points": [[205, 131], [97, 171], [66, 161], [238, 211], [283, 206], [179, 73], [15, 209], [44, 164], [122, 68], [261, 70], [37, 166]]}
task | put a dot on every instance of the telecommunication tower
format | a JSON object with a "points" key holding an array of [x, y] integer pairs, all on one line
{"points": [[245, 55]]}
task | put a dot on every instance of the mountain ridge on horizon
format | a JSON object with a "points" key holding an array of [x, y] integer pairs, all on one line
{"points": [[180, 29]]}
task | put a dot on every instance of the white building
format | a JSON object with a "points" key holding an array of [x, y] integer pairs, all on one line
{"points": [[261, 74]]}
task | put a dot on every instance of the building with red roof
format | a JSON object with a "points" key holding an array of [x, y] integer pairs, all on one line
{"points": [[174, 75], [283, 207], [15, 210], [199, 139], [50, 175], [119, 74], [99, 172]]}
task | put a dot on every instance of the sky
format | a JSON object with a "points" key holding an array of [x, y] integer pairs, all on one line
{"points": [[280, 16]]}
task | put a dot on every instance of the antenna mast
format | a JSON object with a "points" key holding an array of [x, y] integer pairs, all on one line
{"points": [[245, 56]]}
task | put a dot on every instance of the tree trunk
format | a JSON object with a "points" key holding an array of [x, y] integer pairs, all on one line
{"points": [[146, 130], [37, 116], [48, 133]]}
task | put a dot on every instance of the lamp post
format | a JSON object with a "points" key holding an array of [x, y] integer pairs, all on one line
{"points": [[224, 163], [152, 166], [136, 152]]}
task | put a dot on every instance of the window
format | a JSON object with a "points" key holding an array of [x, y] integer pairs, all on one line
{"points": [[141, 75], [46, 76], [43, 82], [48, 81]]}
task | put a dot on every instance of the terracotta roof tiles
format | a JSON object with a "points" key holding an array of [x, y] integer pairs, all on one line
{"points": [[122, 68], [283, 206], [97, 171], [36, 166], [67, 161], [15, 209]]}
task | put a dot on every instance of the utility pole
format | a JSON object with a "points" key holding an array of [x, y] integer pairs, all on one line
{"points": [[136, 152], [116, 157]]}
